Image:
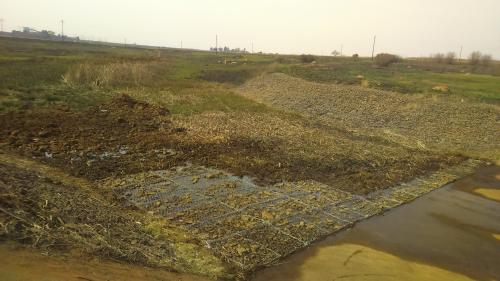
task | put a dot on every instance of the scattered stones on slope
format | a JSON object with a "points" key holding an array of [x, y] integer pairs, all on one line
{"points": [[442, 123]]}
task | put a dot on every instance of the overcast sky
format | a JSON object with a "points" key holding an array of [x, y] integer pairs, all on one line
{"points": [[404, 27]]}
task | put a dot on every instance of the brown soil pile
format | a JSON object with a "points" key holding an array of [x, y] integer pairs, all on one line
{"points": [[125, 136], [91, 143], [439, 123]]}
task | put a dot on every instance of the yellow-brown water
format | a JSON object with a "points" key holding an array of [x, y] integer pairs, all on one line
{"points": [[450, 234]]}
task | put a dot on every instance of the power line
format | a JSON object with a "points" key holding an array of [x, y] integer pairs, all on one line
{"points": [[62, 29], [373, 48]]}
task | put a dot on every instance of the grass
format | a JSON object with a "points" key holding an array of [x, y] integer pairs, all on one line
{"points": [[186, 98], [45, 73], [400, 77]]}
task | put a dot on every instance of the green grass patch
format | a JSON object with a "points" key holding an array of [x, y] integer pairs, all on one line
{"points": [[400, 77]]}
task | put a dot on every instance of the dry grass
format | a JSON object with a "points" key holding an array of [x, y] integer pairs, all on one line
{"points": [[109, 75], [439, 123], [301, 149], [386, 59]]}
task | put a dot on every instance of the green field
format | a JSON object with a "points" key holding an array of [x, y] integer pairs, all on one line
{"points": [[32, 74], [403, 77]]}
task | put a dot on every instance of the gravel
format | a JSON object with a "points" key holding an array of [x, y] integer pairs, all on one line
{"points": [[436, 122]]}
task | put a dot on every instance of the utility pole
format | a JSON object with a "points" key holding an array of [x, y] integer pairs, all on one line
{"points": [[181, 44], [62, 29], [216, 45], [373, 48], [460, 56], [252, 47]]}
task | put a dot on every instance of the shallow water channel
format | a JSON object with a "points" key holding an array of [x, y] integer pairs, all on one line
{"points": [[452, 233]]}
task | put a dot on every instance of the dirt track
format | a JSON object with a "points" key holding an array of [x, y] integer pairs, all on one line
{"points": [[440, 122]]}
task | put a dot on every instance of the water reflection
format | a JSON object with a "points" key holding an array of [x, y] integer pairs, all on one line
{"points": [[450, 234]]}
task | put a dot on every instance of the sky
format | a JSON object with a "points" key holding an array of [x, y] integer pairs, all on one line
{"points": [[404, 27]]}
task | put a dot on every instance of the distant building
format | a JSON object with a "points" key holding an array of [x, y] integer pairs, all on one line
{"points": [[229, 50], [31, 33]]}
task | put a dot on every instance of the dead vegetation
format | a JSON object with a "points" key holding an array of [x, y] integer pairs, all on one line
{"points": [[120, 177], [439, 123], [110, 75], [54, 217], [125, 136], [296, 149], [386, 59]]}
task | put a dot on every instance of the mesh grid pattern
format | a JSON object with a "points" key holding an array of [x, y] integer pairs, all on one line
{"points": [[250, 225]]}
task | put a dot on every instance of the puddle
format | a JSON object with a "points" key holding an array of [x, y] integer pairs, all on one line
{"points": [[357, 262], [493, 194], [449, 234]]}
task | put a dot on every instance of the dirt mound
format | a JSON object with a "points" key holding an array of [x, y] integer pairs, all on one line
{"points": [[90, 143], [440, 123]]}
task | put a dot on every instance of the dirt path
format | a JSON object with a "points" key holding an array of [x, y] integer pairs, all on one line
{"points": [[20, 264]]}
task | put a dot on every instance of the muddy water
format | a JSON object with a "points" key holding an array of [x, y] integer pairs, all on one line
{"points": [[450, 234]]}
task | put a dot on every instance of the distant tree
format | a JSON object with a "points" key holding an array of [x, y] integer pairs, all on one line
{"points": [[486, 59], [335, 53], [450, 58], [307, 58], [475, 58], [386, 59], [439, 58], [355, 56], [280, 59]]}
